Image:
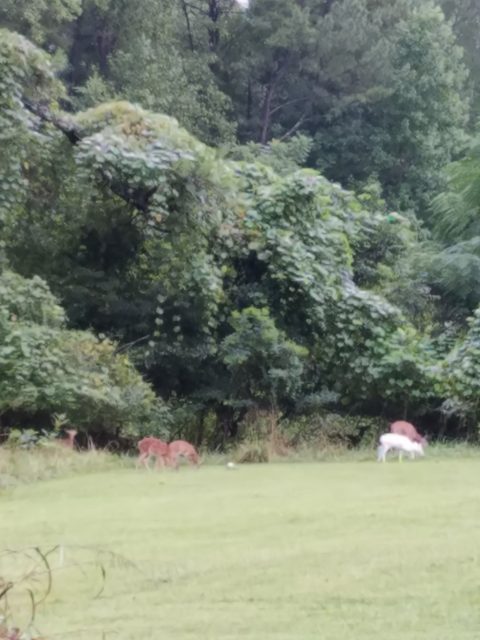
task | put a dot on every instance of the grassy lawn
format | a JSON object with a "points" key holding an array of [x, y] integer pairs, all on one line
{"points": [[340, 551]]}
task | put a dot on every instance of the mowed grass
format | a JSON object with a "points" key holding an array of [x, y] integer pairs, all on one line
{"points": [[345, 550]]}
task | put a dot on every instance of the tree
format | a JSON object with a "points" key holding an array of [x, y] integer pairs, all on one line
{"points": [[264, 365], [42, 21], [465, 18], [204, 268], [416, 123], [381, 88], [454, 265], [460, 379], [45, 368], [148, 62]]}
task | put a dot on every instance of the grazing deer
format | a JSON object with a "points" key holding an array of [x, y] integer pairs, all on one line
{"points": [[180, 448], [153, 447], [400, 443], [403, 428], [69, 440]]}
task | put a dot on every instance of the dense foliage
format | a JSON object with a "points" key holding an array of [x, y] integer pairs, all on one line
{"points": [[231, 277], [46, 368]]}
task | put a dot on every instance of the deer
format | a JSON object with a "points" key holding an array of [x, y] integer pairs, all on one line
{"points": [[180, 448], [400, 443], [403, 428], [155, 447]]}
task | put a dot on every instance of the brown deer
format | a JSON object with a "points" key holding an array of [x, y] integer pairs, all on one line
{"points": [[182, 449], [153, 447], [402, 428]]}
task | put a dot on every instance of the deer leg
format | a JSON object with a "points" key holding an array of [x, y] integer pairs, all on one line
{"points": [[142, 459], [159, 462], [192, 459]]}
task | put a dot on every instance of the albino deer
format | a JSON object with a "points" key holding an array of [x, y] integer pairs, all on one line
{"points": [[403, 428], [181, 448], [400, 443], [153, 447], [69, 441]]}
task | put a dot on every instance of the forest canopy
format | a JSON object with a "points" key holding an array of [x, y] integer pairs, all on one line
{"points": [[209, 210]]}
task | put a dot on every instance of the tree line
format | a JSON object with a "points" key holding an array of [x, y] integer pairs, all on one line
{"points": [[209, 212]]}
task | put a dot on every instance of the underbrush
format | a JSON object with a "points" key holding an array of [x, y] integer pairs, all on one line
{"points": [[254, 452], [324, 437], [19, 465], [317, 436]]}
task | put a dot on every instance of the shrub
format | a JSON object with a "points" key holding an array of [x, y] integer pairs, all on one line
{"points": [[252, 451], [327, 429], [265, 366], [45, 368], [460, 379]]}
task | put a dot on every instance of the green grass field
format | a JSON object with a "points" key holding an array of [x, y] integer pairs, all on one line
{"points": [[340, 551]]}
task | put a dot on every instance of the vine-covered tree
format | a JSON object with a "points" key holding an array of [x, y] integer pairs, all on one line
{"points": [[230, 276]]}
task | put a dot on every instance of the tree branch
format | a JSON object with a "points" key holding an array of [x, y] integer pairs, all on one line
{"points": [[291, 131], [137, 197], [287, 104], [127, 346], [196, 8], [67, 127]]}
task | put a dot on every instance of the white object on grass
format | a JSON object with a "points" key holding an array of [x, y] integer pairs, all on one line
{"points": [[399, 443], [231, 465]]}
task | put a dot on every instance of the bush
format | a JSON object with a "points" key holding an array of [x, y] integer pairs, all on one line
{"points": [[332, 429], [460, 377], [264, 364], [252, 451], [46, 369]]}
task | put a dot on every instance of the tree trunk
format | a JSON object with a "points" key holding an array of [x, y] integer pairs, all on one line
{"points": [[213, 32], [249, 100], [189, 28], [201, 428], [227, 425], [267, 103]]}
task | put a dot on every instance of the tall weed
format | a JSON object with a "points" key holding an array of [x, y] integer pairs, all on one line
{"points": [[19, 465]]}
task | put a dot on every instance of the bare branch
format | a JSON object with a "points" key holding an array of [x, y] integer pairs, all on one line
{"points": [[291, 131], [287, 104], [127, 346]]}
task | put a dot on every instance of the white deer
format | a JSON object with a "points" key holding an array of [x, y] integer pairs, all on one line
{"points": [[399, 443]]}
